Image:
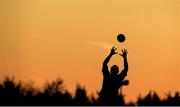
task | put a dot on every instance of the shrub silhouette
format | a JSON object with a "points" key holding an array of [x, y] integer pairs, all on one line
{"points": [[169, 100], [150, 99], [81, 97], [10, 92], [54, 93]]}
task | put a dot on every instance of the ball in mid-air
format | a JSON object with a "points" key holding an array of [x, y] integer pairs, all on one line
{"points": [[121, 38]]}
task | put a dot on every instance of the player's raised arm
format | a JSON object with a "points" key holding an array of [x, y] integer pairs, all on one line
{"points": [[125, 70], [106, 61]]}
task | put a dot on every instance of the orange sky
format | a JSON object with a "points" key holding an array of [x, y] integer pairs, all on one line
{"points": [[45, 39]]}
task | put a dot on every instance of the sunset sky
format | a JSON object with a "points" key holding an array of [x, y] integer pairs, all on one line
{"points": [[45, 39]]}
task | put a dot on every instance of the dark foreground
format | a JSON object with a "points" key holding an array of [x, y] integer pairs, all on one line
{"points": [[12, 93]]}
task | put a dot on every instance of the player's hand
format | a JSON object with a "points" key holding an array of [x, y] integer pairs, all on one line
{"points": [[124, 53], [113, 50]]}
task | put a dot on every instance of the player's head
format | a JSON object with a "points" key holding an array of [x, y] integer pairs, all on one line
{"points": [[114, 69]]}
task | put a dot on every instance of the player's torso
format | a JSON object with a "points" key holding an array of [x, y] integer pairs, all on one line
{"points": [[111, 85]]}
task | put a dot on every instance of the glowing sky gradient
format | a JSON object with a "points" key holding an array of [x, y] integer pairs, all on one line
{"points": [[45, 39]]}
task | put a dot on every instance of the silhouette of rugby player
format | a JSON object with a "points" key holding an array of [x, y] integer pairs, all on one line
{"points": [[113, 80]]}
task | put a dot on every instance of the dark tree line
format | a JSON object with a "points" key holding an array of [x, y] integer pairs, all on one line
{"points": [[54, 93]]}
